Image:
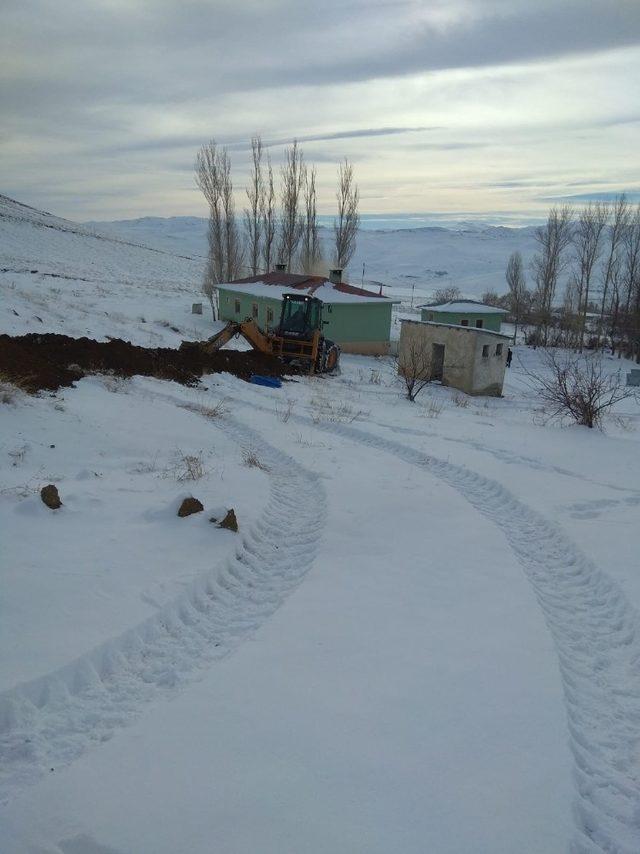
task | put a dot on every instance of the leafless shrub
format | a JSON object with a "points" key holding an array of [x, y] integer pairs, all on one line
{"points": [[414, 366], [577, 387], [252, 461], [446, 294], [284, 411], [461, 400], [375, 377]]}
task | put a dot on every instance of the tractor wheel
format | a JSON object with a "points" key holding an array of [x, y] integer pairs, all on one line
{"points": [[328, 357]]}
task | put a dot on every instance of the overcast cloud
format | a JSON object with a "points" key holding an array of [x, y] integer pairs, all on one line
{"points": [[439, 104]]}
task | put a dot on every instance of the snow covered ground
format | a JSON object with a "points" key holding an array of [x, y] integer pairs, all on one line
{"points": [[424, 637]]}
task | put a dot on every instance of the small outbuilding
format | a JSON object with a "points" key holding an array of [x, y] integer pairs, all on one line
{"points": [[468, 358], [465, 312], [356, 319]]}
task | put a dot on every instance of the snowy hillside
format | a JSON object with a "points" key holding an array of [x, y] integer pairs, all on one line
{"points": [[68, 278], [471, 256], [424, 636]]}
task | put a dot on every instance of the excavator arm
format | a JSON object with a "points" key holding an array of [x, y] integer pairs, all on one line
{"points": [[221, 338], [249, 330]]}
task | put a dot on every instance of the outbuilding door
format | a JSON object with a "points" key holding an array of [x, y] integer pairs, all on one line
{"points": [[437, 361]]}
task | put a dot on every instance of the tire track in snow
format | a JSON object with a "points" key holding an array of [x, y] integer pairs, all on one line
{"points": [[49, 721], [596, 632]]}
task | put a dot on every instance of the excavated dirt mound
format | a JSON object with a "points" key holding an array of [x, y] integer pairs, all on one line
{"points": [[47, 362]]}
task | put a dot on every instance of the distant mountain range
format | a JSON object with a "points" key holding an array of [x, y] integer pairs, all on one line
{"points": [[471, 255]]}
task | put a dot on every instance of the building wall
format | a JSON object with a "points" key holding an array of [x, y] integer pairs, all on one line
{"points": [[492, 322], [465, 366], [357, 327]]}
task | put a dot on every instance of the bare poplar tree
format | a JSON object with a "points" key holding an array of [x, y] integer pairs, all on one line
{"points": [[587, 242], [292, 173], [615, 232], [631, 286], [253, 212], [234, 251], [553, 239], [345, 227], [517, 288], [310, 253], [213, 177], [268, 218]]}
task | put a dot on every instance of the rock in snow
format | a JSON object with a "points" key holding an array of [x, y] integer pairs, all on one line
{"points": [[190, 505], [229, 522], [50, 496]]}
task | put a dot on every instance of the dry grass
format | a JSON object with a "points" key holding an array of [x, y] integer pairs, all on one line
{"points": [[461, 400], [252, 461], [433, 408], [212, 411], [8, 393], [186, 467], [284, 411], [324, 409], [17, 455]]}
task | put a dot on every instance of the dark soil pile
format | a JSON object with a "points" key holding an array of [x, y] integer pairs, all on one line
{"points": [[48, 362]]}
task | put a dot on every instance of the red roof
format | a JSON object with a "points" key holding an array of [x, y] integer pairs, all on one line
{"points": [[303, 282]]}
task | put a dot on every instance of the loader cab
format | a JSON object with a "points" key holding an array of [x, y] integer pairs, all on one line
{"points": [[301, 317]]}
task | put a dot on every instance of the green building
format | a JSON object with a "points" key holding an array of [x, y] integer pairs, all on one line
{"points": [[356, 319], [465, 312]]}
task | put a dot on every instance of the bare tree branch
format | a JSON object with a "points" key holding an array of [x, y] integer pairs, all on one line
{"points": [[268, 217], [587, 242], [213, 177], [311, 253], [292, 174], [553, 239], [345, 227], [252, 213]]}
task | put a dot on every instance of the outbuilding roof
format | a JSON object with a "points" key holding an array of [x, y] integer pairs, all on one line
{"points": [[276, 284], [464, 306], [474, 330]]}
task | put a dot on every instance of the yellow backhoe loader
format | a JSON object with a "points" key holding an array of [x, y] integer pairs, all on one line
{"points": [[298, 338]]}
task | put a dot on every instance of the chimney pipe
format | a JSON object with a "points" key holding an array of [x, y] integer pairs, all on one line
{"points": [[335, 276]]}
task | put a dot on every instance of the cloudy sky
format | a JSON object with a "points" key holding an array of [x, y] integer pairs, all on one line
{"points": [[451, 106]]}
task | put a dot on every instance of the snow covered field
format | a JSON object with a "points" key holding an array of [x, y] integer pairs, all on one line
{"points": [[424, 637]]}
